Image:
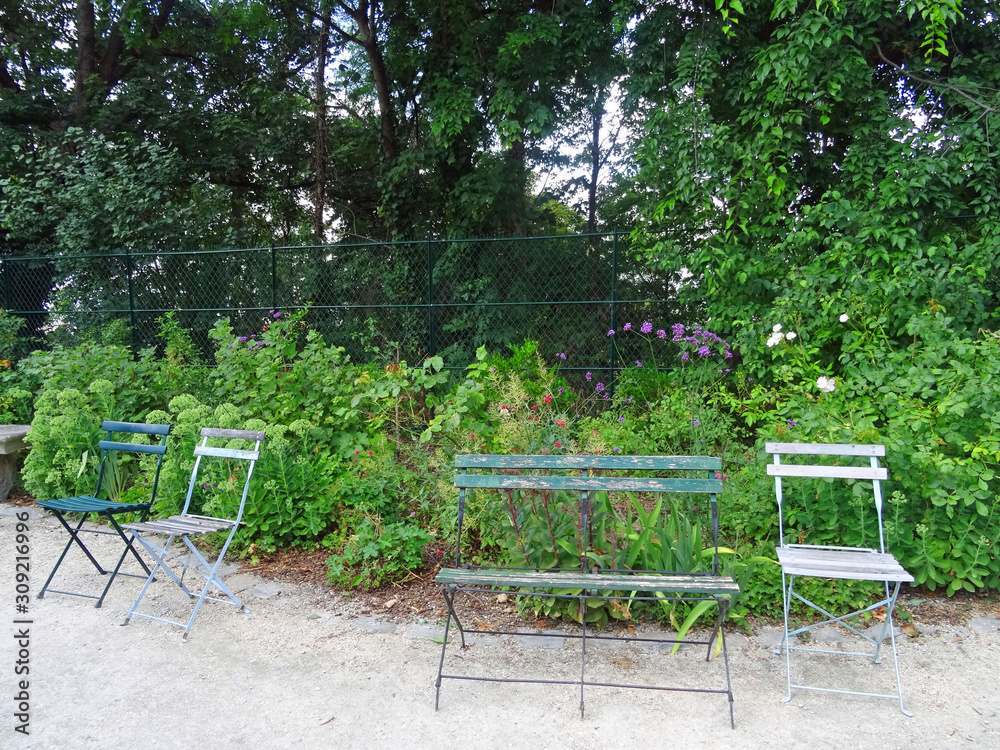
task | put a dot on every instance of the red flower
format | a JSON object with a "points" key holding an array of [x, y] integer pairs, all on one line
{"points": [[548, 399], [558, 444]]}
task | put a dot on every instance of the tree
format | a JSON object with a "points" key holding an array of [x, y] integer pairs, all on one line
{"points": [[814, 160]]}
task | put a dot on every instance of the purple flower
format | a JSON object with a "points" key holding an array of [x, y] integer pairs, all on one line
{"points": [[242, 339], [791, 422], [599, 387], [647, 327], [696, 423], [638, 364], [611, 332], [560, 390], [627, 327], [561, 355], [661, 334], [628, 401], [704, 351], [621, 419], [678, 331], [588, 376], [729, 354], [685, 357], [277, 314], [604, 395], [618, 450], [230, 346]]}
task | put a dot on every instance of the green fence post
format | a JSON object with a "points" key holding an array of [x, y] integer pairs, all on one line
{"points": [[131, 294], [274, 281], [431, 322], [6, 271], [614, 309]]}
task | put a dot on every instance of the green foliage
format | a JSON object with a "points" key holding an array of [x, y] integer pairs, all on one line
{"points": [[933, 404], [64, 434], [15, 398], [377, 554]]}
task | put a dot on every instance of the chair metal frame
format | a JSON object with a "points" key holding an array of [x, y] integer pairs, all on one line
{"points": [[186, 525], [825, 561], [87, 505]]}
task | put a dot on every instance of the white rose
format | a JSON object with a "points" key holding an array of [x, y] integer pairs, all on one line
{"points": [[844, 318], [825, 384], [774, 339], [791, 335], [777, 327]]}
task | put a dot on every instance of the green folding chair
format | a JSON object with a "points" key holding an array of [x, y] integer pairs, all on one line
{"points": [[94, 505]]}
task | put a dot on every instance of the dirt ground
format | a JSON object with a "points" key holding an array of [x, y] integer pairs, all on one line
{"points": [[309, 667]]}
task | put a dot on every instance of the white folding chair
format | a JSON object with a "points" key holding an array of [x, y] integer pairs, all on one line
{"points": [[823, 561], [187, 525]]}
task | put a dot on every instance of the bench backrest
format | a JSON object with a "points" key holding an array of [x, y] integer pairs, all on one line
{"points": [[873, 473], [584, 481]]}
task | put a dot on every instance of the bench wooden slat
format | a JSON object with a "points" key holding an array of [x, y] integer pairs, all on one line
{"points": [[826, 472], [825, 449], [589, 484], [679, 584], [620, 463]]}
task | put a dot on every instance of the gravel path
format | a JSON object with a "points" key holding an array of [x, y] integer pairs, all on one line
{"points": [[301, 671]]}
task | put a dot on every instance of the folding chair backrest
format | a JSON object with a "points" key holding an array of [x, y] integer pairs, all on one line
{"points": [[873, 473], [232, 454], [109, 447]]}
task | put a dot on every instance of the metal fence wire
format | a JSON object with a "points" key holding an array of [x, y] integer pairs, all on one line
{"points": [[445, 297]]}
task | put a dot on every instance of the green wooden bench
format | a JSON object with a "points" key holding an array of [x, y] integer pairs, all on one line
{"points": [[592, 578]]}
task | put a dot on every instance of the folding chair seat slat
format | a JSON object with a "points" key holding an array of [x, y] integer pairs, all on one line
{"points": [[175, 526], [85, 504], [94, 504], [188, 524], [832, 562], [861, 566]]}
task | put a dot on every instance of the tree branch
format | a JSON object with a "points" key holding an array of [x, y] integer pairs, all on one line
{"points": [[935, 84]]}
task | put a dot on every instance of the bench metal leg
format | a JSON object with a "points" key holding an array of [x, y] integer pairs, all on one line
{"points": [[723, 610], [583, 655], [449, 598]]}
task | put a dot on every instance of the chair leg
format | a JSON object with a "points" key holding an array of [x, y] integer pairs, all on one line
{"points": [[786, 592], [73, 537], [211, 579], [892, 637], [128, 548], [152, 574]]}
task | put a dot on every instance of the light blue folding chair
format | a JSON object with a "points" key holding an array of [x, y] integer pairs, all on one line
{"points": [[188, 525], [825, 561]]}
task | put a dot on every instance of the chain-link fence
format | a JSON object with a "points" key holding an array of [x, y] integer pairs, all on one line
{"points": [[408, 299]]}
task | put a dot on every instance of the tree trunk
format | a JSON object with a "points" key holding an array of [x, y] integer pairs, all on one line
{"points": [[364, 16], [320, 151], [595, 160], [86, 56]]}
